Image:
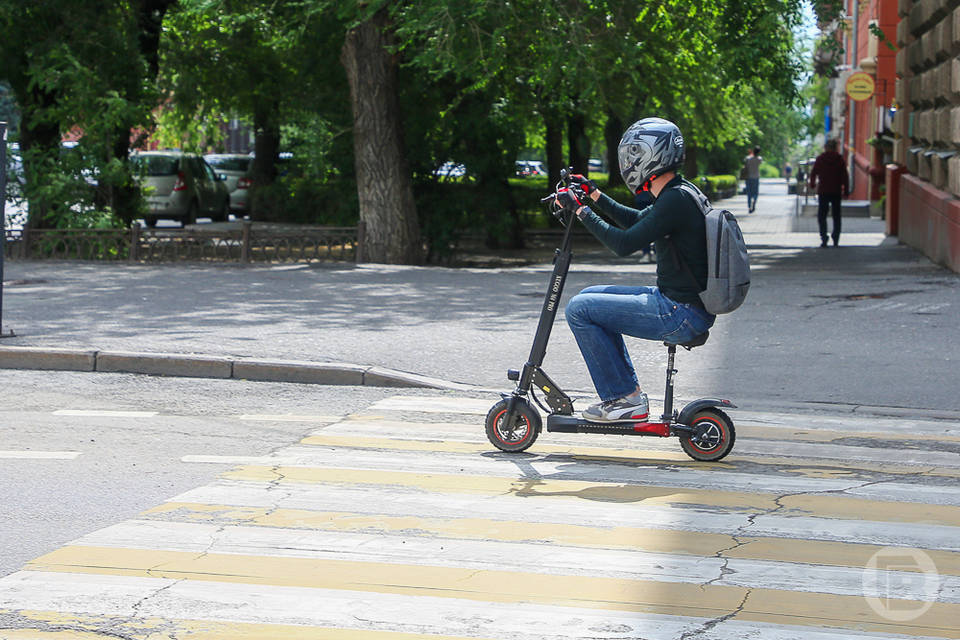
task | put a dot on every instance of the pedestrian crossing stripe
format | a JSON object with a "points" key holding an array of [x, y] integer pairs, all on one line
{"points": [[694, 543], [525, 556], [755, 424], [327, 609], [800, 465], [356, 533], [615, 594], [578, 508], [92, 628], [932, 436], [823, 506], [637, 471]]}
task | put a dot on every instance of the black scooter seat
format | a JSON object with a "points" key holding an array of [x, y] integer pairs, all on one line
{"points": [[690, 344]]}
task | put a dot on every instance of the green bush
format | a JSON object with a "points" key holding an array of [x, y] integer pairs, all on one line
{"points": [[768, 170], [298, 200], [722, 182]]}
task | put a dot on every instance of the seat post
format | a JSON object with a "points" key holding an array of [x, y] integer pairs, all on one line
{"points": [[668, 392]]}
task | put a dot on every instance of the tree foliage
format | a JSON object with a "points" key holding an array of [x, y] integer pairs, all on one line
{"points": [[477, 82]]}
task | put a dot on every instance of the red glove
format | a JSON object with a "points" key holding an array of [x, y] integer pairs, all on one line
{"points": [[587, 185], [571, 199]]}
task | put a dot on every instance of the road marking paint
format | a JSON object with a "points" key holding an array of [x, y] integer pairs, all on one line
{"points": [[836, 445], [586, 508], [433, 404], [824, 506], [90, 627], [815, 467], [639, 471], [616, 594], [231, 460], [526, 556], [698, 543], [97, 413], [40, 455], [765, 425], [107, 601], [288, 418]]}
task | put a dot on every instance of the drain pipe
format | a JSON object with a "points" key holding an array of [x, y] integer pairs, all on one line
{"points": [[3, 214], [852, 106]]}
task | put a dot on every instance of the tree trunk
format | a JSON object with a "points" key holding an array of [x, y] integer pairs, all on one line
{"points": [[579, 143], [266, 143], [387, 209], [150, 15], [612, 132], [123, 199], [554, 150], [40, 150], [690, 162]]}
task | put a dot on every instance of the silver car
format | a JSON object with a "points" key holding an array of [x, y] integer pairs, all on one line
{"points": [[180, 186], [237, 168]]}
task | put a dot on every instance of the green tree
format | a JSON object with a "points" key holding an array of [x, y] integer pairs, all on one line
{"points": [[83, 69], [262, 62], [384, 182]]}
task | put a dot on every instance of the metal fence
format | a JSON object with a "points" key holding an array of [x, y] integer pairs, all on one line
{"points": [[249, 242]]}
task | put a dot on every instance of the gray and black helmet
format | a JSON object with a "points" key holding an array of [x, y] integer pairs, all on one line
{"points": [[650, 147]]}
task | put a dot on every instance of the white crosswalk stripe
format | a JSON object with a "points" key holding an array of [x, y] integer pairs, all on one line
{"points": [[381, 527]]}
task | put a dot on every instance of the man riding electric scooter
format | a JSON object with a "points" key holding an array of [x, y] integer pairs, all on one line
{"points": [[650, 152]]}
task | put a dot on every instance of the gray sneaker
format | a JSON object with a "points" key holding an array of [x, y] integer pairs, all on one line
{"points": [[619, 410]]}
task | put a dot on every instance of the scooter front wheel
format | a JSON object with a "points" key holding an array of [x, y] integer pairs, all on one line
{"points": [[715, 436], [521, 433]]}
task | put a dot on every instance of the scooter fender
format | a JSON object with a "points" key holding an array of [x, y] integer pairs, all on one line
{"points": [[703, 403]]}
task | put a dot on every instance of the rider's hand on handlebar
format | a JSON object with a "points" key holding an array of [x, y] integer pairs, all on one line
{"points": [[588, 186], [571, 199]]}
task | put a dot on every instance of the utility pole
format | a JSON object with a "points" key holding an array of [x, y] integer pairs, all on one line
{"points": [[3, 217]]}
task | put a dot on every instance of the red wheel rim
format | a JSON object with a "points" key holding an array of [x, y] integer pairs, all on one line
{"points": [[499, 432], [722, 432]]}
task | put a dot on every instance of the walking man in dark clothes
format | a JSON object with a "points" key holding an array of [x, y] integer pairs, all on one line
{"points": [[829, 176]]}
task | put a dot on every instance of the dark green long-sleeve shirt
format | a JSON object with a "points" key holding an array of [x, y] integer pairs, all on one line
{"points": [[673, 214]]}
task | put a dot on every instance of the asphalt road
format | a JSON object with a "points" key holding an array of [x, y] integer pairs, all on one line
{"points": [[224, 510], [870, 323], [127, 434]]}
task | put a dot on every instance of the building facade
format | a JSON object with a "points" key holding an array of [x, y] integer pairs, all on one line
{"points": [[926, 166], [902, 141]]}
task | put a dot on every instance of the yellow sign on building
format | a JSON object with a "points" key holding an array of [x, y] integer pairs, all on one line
{"points": [[860, 86]]}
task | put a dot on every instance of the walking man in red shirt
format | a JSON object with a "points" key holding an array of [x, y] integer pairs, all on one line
{"points": [[829, 176]]}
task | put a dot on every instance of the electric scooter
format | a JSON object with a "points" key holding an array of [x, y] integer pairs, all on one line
{"points": [[706, 433]]}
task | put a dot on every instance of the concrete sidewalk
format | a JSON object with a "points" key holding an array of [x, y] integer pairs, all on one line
{"points": [[868, 324]]}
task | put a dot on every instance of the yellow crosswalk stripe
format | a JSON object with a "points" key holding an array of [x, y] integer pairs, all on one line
{"points": [[373, 528], [806, 466], [695, 543], [614, 594], [824, 506]]}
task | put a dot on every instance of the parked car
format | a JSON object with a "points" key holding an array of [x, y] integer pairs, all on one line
{"points": [[180, 186], [451, 170], [238, 169], [530, 168]]}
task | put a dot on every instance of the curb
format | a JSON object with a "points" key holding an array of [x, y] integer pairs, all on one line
{"points": [[201, 366], [341, 373]]}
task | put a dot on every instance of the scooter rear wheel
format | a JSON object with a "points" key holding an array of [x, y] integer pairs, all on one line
{"points": [[715, 441], [519, 435]]}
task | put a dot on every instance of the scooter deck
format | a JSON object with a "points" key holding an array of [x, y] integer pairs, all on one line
{"points": [[557, 423]]}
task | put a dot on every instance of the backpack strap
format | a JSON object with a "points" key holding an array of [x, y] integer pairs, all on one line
{"points": [[694, 192], [703, 203]]}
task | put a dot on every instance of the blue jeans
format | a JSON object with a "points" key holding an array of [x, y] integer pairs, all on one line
{"points": [[753, 192], [601, 315]]}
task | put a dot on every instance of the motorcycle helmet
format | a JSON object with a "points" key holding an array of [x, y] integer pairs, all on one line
{"points": [[649, 148]]}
